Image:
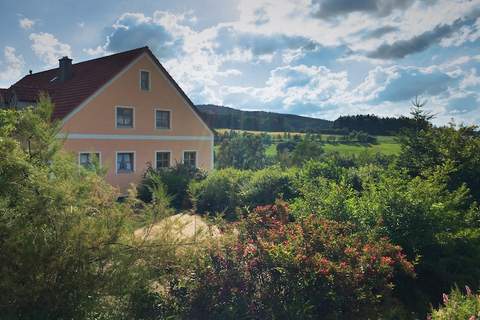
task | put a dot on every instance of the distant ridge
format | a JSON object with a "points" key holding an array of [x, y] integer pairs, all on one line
{"points": [[226, 117]]}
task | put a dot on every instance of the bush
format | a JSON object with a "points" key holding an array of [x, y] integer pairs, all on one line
{"points": [[458, 306], [275, 269], [175, 179], [220, 192], [267, 185], [63, 236], [433, 225], [306, 150], [242, 151], [286, 146]]}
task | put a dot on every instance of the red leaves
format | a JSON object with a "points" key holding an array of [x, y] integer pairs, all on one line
{"points": [[321, 262]]}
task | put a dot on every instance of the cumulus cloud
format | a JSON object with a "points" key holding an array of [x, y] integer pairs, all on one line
{"points": [[48, 48], [296, 89], [261, 16], [26, 23], [228, 39], [463, 103], [397, 83], [402, 48], [333, 8], [162, 32], [11, 67], [278, 56], [379, 32]]}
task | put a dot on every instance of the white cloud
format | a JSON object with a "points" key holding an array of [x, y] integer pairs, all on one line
{"points": [[26, 23], [278, 56], [11, 67], [48, 48], [95, 52]]}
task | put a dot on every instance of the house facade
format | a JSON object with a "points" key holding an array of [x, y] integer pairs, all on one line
{"points": [[124, 110]]}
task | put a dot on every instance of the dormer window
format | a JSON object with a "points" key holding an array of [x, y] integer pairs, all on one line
{"points": [[144, 80]]}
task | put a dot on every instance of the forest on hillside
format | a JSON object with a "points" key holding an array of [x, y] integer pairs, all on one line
{"points": [[230, 118], [306, 234]]}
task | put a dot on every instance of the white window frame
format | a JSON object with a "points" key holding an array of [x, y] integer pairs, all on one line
{"points": [[149, 80], [133, 115], [155, 109], [99, 156], [134, 162], [155, 157], [196, 156]]}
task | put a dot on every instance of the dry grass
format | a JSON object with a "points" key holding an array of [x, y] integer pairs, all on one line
{"points": [[182, 227]]}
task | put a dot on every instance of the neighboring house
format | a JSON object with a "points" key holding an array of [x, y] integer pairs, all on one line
{"points": [[125, 109]]}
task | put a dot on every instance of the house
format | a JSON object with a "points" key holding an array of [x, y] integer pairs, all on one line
{"points": [[123, 109]]}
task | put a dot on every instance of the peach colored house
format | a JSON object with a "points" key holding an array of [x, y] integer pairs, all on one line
{"points": [[124, 109]]}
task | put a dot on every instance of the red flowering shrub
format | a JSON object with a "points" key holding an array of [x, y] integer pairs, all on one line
{"points": [[278, 269]]}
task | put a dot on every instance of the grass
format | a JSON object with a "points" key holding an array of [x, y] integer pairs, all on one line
{"points": [[355, 148], [386, 144]]}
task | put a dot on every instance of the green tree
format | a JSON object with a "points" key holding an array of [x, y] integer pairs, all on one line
{"points": [[242, 151], [425, 147], [305, 150], [65, 251]]}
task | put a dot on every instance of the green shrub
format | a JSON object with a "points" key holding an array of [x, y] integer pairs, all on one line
{"points": [[63, 236], [433, 225], [175, 179], [242, 151], [267, 185], [275, 269], [220, 192], [458, 306]]}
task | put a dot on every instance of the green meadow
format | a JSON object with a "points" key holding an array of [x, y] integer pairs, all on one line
{"points": [[385, 144]]}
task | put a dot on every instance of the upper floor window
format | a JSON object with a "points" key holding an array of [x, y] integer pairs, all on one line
{"points": [[145, 80], [162, 119], [89, 159], [162, 159], [124, 117], [190, 158], [125, 162]]}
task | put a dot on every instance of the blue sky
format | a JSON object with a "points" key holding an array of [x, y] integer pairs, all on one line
{"points": [[321, 58]]}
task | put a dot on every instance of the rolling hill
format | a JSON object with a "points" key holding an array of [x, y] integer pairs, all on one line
{"points": [[226, 117]]}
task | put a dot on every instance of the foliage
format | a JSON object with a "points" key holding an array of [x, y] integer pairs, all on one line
{"points": [[220, 192], [305, 150], [231, 191], [174, 179], [267, 185], [436, 227], [424, 147], [242, 151], [458, 306], [373, 124], [277, 269], [225, 117], [62, 233]]}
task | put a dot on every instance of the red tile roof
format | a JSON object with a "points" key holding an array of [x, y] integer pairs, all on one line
{"points": [[87, 78]]}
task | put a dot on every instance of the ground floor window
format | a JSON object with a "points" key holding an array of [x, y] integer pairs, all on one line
{"points": [[125, 162], [162, 159], [89, 159], [190, 158]]}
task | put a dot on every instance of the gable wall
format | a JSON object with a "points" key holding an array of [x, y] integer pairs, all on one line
{"points": [[98, 116]]}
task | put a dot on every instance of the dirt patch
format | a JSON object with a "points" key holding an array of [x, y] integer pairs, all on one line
{"points": [[180, 227]]}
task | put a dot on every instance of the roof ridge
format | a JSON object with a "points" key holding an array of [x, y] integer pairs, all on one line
{"points": [[95, 59]]}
